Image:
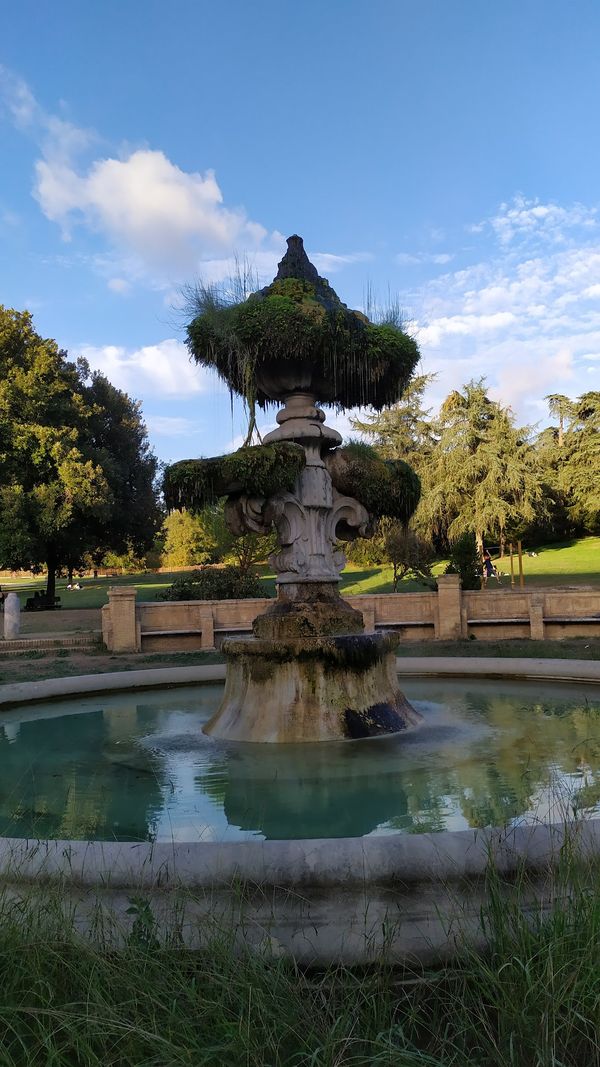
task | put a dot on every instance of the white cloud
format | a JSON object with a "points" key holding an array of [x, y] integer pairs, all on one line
{"points": [[408, 259], [172, 426], [160, 224], [163, 369], [528, 321], [119, 285], [524, 219], [147, 206], [463, 325], [328, 263]]}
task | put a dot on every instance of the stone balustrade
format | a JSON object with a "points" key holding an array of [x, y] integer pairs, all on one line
{"points": [[449, 614]]}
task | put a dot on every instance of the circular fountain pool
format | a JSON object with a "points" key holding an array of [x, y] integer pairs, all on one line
{"points": [[137, 767]]}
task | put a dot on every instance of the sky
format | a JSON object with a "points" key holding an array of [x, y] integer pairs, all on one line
{"points": [[444, 155]]}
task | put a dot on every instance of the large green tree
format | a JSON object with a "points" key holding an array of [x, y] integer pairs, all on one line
{"points": [[481, 476], [404, 430], [579, 475], [76, 471], [188, 539]]}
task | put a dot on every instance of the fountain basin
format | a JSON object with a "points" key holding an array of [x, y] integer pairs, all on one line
{"points": [[347, 898]]}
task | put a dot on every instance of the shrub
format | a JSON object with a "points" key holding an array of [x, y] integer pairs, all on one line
{"points": [[212, 583], [465, 561]]}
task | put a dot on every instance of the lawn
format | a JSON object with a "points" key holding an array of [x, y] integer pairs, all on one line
{"points": [[574, 562]]}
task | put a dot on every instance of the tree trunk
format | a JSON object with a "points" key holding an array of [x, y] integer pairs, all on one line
{"points": [[70, 575], [51, 583], [502, 545], [479, 543]]}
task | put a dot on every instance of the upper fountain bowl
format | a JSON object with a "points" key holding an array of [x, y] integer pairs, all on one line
{"points": [[297, 335]]}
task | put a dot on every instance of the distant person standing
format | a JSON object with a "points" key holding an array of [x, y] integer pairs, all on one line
{"points": [[489, 571]]}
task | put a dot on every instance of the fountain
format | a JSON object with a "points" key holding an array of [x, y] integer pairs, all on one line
{"points": [[309, 672], [343, 852]]}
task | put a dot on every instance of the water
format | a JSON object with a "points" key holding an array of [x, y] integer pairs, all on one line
{"points": [[137, 767]]}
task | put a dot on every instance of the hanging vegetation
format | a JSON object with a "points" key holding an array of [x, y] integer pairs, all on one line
{"points": [[259, 470], [296, 333], [386, 488]]}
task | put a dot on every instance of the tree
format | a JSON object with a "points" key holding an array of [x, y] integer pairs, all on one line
{"points": [[408, 553], [76, 470], [403, 431], [188, 540], [580, 472], [466, 561], [481, 476], [245, 550], [562, 408]]}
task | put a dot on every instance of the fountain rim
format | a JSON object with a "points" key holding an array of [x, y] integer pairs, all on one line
{"points": [[15, 694]]}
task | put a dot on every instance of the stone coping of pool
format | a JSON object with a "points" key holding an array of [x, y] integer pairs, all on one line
{"points": [[412, 897], [571, 670]]}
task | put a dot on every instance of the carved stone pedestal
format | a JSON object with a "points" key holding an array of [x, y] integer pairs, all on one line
{"points": [[311, 689]]}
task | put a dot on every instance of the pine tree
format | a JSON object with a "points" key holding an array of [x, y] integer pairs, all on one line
{"points": [[403, 431], [481, 476]]}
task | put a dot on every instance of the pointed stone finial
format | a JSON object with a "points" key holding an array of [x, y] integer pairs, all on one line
{"points": [[295, 263]]}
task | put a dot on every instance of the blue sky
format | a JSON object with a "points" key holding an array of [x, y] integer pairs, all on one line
{"points": [[447, 153]]}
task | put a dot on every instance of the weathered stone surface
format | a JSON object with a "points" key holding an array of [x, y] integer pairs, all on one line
{"points": [[311, 689], [308, 611], [12, 616]]}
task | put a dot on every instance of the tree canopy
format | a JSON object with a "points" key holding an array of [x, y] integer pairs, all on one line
{"points": [[76, 470]]}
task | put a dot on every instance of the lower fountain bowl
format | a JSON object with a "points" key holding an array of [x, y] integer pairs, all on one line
{"points": [[311, 689]]}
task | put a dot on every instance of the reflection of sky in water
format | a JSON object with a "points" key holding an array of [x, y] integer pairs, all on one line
{"points": [[138, 767]]}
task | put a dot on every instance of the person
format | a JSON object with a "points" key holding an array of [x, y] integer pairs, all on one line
{"points": [[489, 571], [488, 566]]}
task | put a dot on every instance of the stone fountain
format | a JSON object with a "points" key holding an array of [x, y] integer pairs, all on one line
{"points": [[309, 672]]}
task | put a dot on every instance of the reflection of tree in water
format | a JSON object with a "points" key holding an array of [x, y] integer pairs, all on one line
{"points": [[535, 743], [329, 790], [59, 780], [86, 776]]}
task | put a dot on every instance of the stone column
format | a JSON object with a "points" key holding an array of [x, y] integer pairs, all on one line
{"points": [[124, 629], [12, 616], [207, 622], [449, 605], [536, 617]]}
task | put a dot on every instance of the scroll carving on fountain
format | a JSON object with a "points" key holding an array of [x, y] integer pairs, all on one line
{"points": [[309, 672]]}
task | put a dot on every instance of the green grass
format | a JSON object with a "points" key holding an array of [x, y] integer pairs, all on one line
{"points": [[566, 563], [533, 999]]}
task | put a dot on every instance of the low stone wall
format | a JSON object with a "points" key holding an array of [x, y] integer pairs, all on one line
{"points": [[449, 614]]}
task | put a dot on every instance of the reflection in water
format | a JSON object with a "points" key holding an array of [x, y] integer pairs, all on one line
{"points": [[138, 767]]}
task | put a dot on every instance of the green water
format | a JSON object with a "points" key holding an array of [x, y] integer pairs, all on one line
{"points": [[137, 767]]}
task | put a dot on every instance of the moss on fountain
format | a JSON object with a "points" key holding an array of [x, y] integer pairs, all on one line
{"points": [[389, 488], [298, 326], [259, 470]]}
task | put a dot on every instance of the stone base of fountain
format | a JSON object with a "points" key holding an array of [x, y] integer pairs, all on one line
{"points": [[325, 688]]}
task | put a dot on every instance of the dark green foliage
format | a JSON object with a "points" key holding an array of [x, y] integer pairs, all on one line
{"points": [[76, 469], [214, 583], [259, 470], [387, 488], [408, 553], [291, 329], [465, 561]]}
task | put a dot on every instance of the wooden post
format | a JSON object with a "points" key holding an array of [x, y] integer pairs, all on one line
{"points": [[512, 566], [521, 575]]}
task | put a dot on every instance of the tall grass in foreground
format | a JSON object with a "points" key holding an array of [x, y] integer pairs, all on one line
{"points": [[532, 1000]]}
